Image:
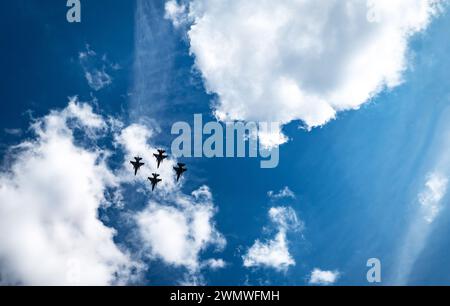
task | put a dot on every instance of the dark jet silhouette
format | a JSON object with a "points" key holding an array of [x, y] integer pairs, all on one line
{"points": [[154, 180], [160, 156], [137, 164], [180, 169]]}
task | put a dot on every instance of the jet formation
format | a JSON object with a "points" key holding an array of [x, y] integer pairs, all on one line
{"points": [[155, 179]]}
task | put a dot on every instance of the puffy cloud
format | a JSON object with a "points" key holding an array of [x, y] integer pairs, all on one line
{"points": [[431, 198], [215, 264], [178, 233], [173, 227], [282, 194], [50, 197], [274, 253], [176, 12], [319, 277], [50, 233], [312, 60]]}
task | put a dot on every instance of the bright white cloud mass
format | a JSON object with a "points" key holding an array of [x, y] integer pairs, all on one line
{"points": [[50, 196], [312, 60], [274, 253], [191, 230]]}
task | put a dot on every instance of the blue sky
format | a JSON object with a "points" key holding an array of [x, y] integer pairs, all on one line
{"points": [[358, 180]]}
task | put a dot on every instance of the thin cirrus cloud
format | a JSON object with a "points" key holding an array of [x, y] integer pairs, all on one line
{"points": [[430, 205], [311, 61], [274, 253], [97, 69], [50, 196]]}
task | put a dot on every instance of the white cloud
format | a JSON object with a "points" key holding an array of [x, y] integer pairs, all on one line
{"points": [[285, 218], [96, 69], [274, 253], [98, 79], [282, 194], [319, 277], [50, 233], [279, 61], [84, 113], [431, 201], [174, 227], [215, 264], [431, 198], [179, 233], [176, 12]]}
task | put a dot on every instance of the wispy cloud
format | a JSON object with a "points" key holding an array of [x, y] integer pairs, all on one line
{"points": [[96, 68], [13, 132], [431, 203], [282, 194], [431, 198], [153, 61]]}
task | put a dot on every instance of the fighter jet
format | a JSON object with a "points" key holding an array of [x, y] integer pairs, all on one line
{"points": [[137, 164], [180, 169], [160, 156], [154, 180]]}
